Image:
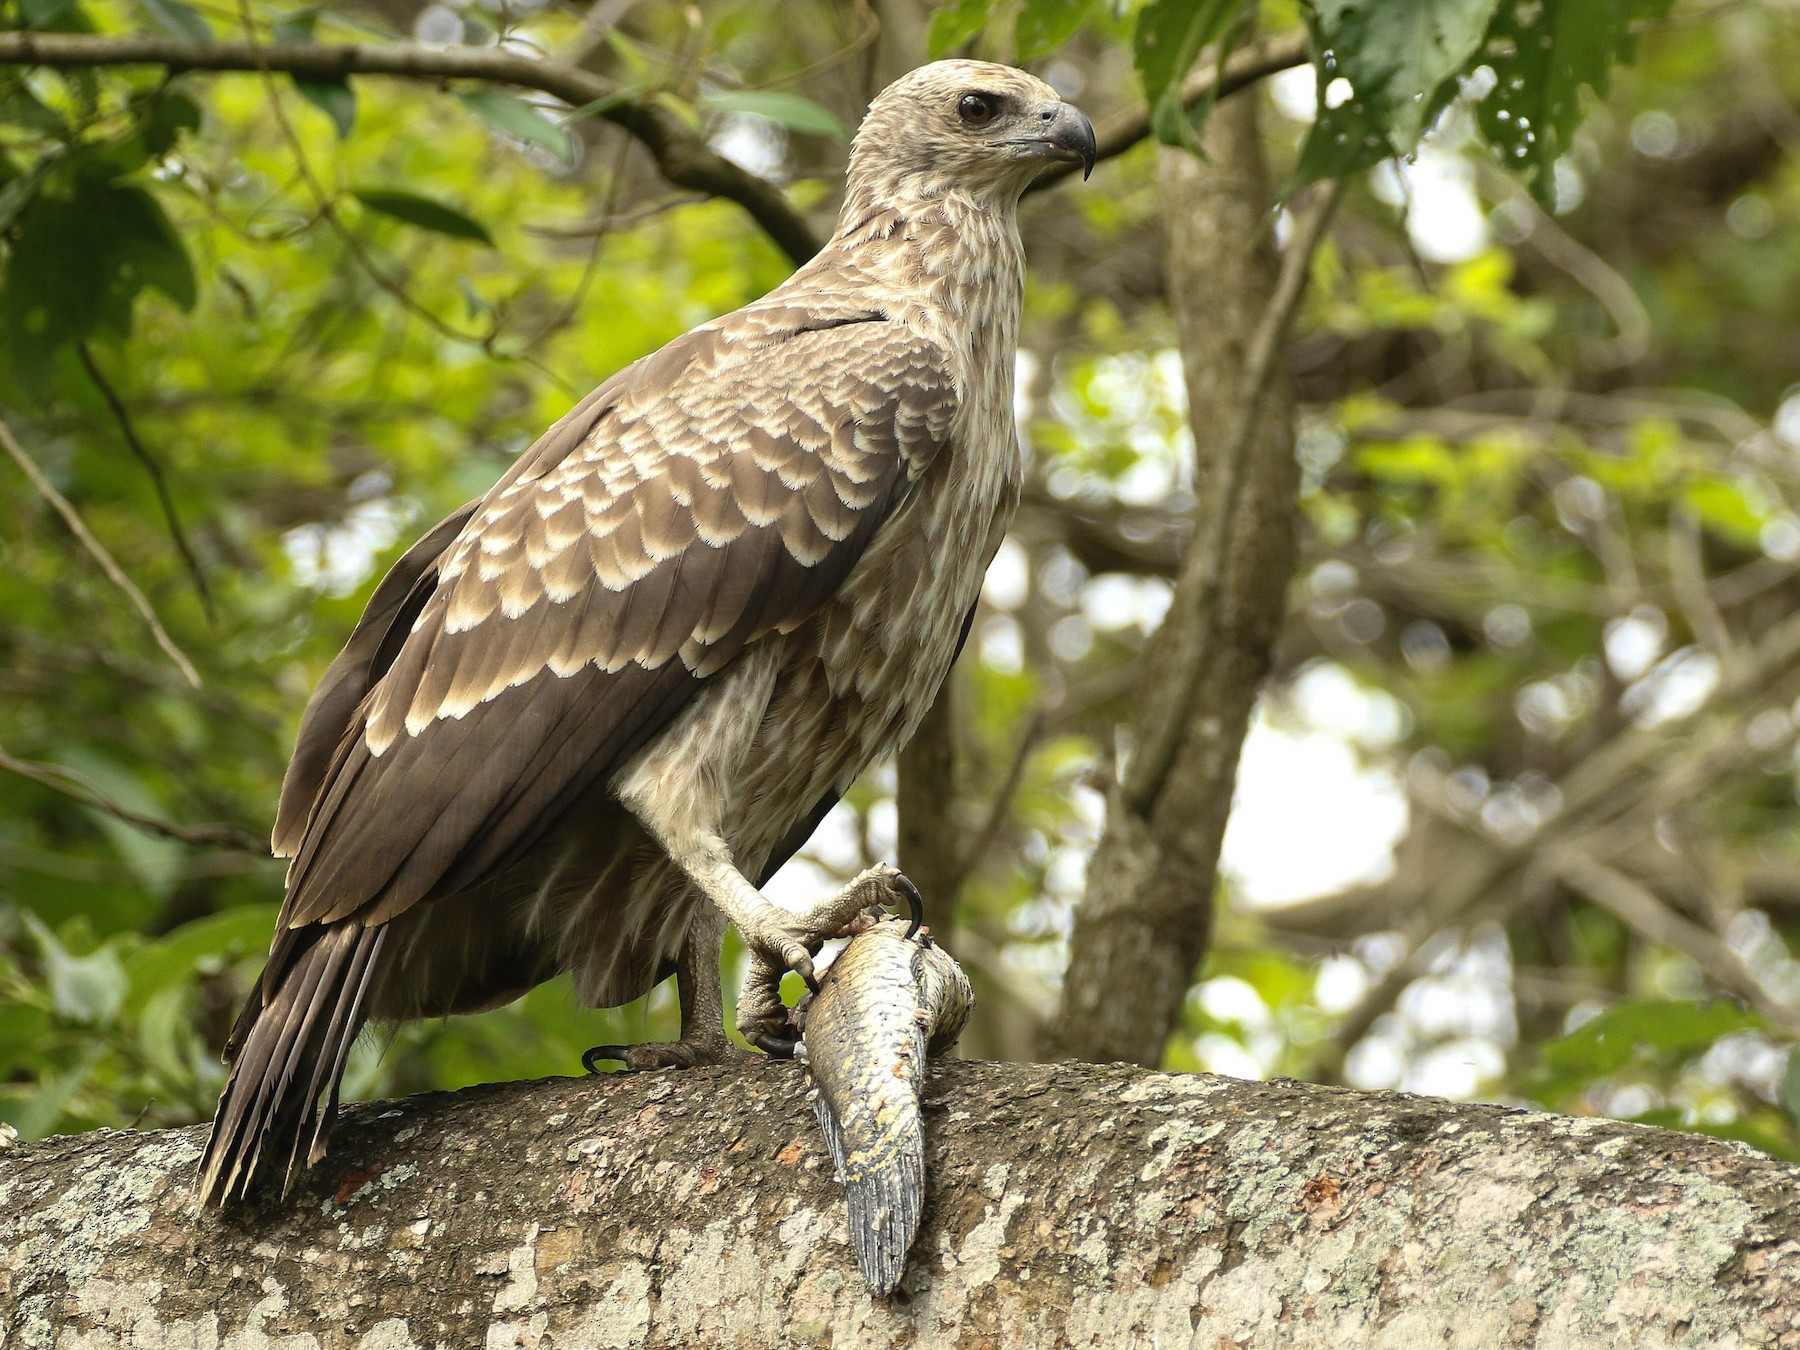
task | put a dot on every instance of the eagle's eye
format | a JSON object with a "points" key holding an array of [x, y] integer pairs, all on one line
{"points": [[977, 110]]}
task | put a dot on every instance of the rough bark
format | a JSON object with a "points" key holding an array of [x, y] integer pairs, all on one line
{"points": [[1070, 1206], [1143, 923]]}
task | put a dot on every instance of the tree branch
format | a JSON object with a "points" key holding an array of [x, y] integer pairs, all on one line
{"points": [[1144, 782], [77, 787], [114, 573], [684, 158], [1069, 1205], [1145, 916], [158, 480]]}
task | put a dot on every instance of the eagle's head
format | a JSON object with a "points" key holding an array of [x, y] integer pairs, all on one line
{"points": [[967, 127]]}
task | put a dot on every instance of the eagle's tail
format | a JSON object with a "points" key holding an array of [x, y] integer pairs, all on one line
{"points": [[287, 1048]]}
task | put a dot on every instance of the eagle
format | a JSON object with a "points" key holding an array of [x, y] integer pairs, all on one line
{"points": [[586, 716]]}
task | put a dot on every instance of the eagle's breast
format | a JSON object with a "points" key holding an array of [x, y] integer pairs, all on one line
{"points": [[855, 681]]}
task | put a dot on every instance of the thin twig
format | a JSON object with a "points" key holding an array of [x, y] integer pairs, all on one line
{"points": [[1687, 577], [1588, 270], [325, 202], [114, 573], [157, 478], [1001, 806], [617, 220], [78, 788], [1599, 793], [609, 211], [1649, 916], [1151, 770]]}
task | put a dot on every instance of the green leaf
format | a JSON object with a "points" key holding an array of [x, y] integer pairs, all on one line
{"points": [[46, 15], [1045, 24], [952, 24], [178, 19], [604, 104], [80, 256], [23, 1027], [82, 988], [38, 1113], [171, 113], [1169, 38], [335, 98], [1542, 52], [19, 107], [1725, 509], [1608, 1042], [643, 70], [199, 946], [1400, 60], [18, 192], [424, 213], [296, 27], [789, 110], [519, 120], [150, 252]]}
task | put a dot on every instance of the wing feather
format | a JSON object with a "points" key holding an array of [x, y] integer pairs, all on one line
{"points": [[395, 604], [717, 492]]}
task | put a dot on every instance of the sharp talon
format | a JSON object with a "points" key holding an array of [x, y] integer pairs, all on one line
{"points": [[914, 902], [591, 1058], [804, 969], [774, 1045]]}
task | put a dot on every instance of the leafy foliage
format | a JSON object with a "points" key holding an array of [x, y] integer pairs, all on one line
{"points": [[424, 213], [1542, 53], [1398, 62], [520, 120], [788, 110]]}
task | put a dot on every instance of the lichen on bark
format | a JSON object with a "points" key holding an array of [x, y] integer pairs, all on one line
{"points": [[1070, 1206]]}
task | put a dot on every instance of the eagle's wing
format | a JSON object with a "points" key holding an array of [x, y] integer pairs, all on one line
{"points": [[385, 622], [720, 490]]}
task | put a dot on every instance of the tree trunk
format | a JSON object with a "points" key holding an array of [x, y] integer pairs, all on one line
{"points": [[930, 843], [1070, 1206], [1143, 925]]}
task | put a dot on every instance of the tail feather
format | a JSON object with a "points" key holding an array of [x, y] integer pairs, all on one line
{"points": [[289, 1047], [346, 1020]]}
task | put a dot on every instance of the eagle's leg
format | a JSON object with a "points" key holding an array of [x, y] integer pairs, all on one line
{"points": [[762, 1018], [703, 1039], [682, 811]]}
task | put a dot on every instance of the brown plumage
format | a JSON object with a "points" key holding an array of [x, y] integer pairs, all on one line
{"points": [[584, 717]]}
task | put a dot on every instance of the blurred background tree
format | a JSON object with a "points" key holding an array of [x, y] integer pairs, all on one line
{"points": [[1514, 816]]}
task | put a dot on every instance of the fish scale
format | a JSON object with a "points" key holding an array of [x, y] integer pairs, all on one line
{"points": [[885, 1004]]}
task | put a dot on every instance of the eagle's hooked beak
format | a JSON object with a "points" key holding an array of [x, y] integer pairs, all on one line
{"points": [[1065, 134]]}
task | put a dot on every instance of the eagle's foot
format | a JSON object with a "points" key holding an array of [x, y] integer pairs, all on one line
{"points": [[687, 1053], [789, 941], [762, 1018]]}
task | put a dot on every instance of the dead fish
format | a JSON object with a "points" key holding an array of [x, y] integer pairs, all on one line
{"points": [[892, 997]]}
